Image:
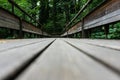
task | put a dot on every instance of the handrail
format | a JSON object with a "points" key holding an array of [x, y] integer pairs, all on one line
{"points": [[100, 4], [13, 3], [103, 15], [79, 12], [103, 2]]}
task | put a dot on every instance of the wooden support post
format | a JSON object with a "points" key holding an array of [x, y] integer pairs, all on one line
{"points": [[72, 36], [67, 34], [15, 34], [83, 31], [12, 33], [80, 34], [32, 35], [106, 29], [20, 29], [89, 33], [29, 34], [75, 35], [37, 36], [24, 35]]}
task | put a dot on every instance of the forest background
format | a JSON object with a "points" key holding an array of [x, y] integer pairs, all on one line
{"points": [[55, 14]]}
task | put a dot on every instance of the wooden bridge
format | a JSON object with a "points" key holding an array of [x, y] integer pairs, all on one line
{"points": [[105, 14], [61, 58], [18, 25]]}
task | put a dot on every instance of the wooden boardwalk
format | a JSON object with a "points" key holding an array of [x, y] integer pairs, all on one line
{"points": [[59, 59]]}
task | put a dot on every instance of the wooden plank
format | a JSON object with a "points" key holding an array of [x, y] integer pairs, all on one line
{"points": [[112, 44], [8, 20], [105, 9], [107, 13], [27, 27], [11, 21], [12, 61], [76, 28], [107, 19], [11, 44], [107, 56], [63, 62], [104, 14]]}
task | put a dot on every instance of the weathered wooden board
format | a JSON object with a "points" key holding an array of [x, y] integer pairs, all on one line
{"points": [[103, 10], [61, 61], [107, 19], [10, 44], [64, 59], [11, 21], [107, 13], [27, 27], [8, 20], [14, 58], [112, 44], [106, 52], [104, 14]]}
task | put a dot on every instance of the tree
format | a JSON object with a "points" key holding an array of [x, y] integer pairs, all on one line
{"points": [[44, 11]]}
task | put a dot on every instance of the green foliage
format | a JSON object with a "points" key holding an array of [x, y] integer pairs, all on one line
{"points": [[114, 32], [5, 4], [55, 14]]}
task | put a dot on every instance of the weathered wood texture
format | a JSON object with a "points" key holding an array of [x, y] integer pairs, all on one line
{"points": [[18, 54], [107, 13], [75, 28], [30, 28], [64, 59], [8, 20]]}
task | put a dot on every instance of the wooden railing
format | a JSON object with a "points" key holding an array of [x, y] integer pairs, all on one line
{"points": [[107, 13], [11, 21], [24, 12]]}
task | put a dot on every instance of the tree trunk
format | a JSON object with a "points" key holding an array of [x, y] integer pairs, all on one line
{"points": [[54, 15]]}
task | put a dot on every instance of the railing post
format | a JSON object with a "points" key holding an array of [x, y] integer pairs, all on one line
{"points": [[67, 34], [20, 28], [106, 30], [89, 33], [74, 35], [83, 31], [41, 30]]}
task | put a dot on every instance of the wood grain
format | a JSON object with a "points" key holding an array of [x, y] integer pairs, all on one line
{"points": [[61, 61]]}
